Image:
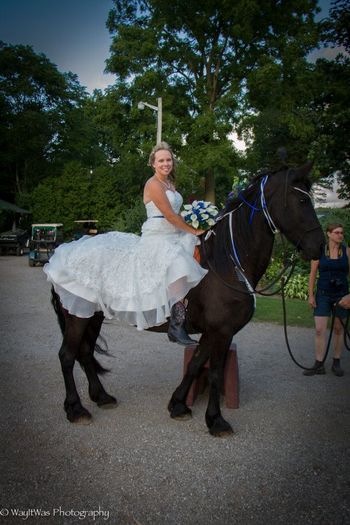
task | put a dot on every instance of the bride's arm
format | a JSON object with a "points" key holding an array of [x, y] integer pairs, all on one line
{"points": [[155, 192]]}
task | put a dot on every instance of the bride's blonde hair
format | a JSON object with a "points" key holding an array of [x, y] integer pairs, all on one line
{"points": [[163, 146]]}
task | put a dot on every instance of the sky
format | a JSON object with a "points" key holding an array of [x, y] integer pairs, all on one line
{"points": [[71, 33]]}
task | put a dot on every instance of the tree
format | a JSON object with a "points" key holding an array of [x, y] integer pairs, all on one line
{"points": [[78, 194], [280, 114], [305, 109], [204, 51], [336, 28], [43, 123], [334, 96]]}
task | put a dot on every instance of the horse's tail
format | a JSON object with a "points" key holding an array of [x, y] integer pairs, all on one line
{"points": [[57, 306], [56, 303], [104, 351]]}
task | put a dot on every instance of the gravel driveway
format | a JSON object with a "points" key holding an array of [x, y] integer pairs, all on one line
{"points": [[287, 463]]}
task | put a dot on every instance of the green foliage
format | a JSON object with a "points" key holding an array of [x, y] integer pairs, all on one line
{"points": [[216, 65], [330, 116], [131, 219], [297, 287], [43, 122], [77, 195], [336, 27], [203, 53], [303, 106]]}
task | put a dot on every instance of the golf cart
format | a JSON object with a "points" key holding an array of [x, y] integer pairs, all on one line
{"points": [[44, 239], [14, 241], [85, 227]]}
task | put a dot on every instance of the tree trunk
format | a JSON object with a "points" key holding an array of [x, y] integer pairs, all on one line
{"points": [[210, 186], [18, 188]]}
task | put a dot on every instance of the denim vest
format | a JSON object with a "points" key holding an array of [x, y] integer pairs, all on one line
{"points": [[333, 273]]}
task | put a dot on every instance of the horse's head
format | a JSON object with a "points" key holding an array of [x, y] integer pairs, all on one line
{"points": [[289, 203]]}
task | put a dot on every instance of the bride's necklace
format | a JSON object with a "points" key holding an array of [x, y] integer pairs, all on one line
{"points": [[166, 184]]}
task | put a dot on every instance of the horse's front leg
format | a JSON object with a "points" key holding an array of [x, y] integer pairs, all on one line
{"points": [[177, 404], [91, 366], [216, 424], [73, 335]]}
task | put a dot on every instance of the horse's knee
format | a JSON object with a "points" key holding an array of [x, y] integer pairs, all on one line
{"points": [[216, 375], [67, 358]]}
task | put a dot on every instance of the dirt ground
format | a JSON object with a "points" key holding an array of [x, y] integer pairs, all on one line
{"points": [[288, 462]]}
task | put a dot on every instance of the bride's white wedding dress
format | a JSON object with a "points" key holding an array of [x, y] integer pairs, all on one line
{"points": [[132, 278]]}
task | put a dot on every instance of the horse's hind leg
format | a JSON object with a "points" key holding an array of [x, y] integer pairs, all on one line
{"points": [[73, 335], [91, 366]]}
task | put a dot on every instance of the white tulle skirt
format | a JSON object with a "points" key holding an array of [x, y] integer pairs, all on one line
{"points": [[127, 277]]}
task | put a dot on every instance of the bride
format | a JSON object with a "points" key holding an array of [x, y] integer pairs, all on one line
{"points": [[138, 279]]}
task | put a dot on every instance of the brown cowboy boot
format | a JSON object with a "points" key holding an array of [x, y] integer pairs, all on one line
{"points": [[176, 331]]}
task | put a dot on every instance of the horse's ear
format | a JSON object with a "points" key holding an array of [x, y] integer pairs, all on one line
{"points": [[303, 172]]}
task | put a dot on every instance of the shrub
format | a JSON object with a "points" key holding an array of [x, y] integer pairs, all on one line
{"points": [[297, 287]]}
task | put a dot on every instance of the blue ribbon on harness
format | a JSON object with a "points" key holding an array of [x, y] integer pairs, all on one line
{"points": [[253, 207]]}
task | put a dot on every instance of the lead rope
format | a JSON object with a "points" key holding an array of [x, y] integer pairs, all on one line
{"points": [[329, 337]]}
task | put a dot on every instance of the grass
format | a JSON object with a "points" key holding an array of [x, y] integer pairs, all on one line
{"points": [[270, 310]]}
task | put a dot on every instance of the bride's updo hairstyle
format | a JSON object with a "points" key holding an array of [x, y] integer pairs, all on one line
{"points": [[163, 146]]}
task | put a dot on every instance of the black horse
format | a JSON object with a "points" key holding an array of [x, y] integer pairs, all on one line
{"points": [[236, 251]]}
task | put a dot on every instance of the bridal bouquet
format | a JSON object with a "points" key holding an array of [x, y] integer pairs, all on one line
{"points": [[200, 214]]}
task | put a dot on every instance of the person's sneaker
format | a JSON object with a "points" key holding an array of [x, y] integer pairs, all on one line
{"points": [[317, 369], [337, 370]]}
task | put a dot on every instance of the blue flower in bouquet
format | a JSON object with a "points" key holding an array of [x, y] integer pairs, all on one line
{"points": [[200, 214]]}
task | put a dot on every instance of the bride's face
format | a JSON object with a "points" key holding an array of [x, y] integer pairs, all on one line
{"points": [[163, 163]]}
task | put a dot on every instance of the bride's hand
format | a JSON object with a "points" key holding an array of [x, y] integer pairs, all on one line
{"points": [[199, 232]]}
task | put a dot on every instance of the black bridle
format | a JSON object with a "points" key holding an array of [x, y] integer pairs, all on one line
{"points": [[281, 276]]}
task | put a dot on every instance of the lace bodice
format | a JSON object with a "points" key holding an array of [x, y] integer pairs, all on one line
{"points": [[175, 200]]}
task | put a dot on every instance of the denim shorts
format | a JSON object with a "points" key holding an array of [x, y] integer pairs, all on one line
{"points": [[325, 301]]}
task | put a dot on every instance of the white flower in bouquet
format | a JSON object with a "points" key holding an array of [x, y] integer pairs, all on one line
{"points": [[200, 214]]}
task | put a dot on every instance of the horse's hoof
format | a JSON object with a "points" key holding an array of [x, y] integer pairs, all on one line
{"points": [[183, 417], [221, 433], [79, 416], [220, 428], [108, 402], [83, 420], [179, 411]]}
